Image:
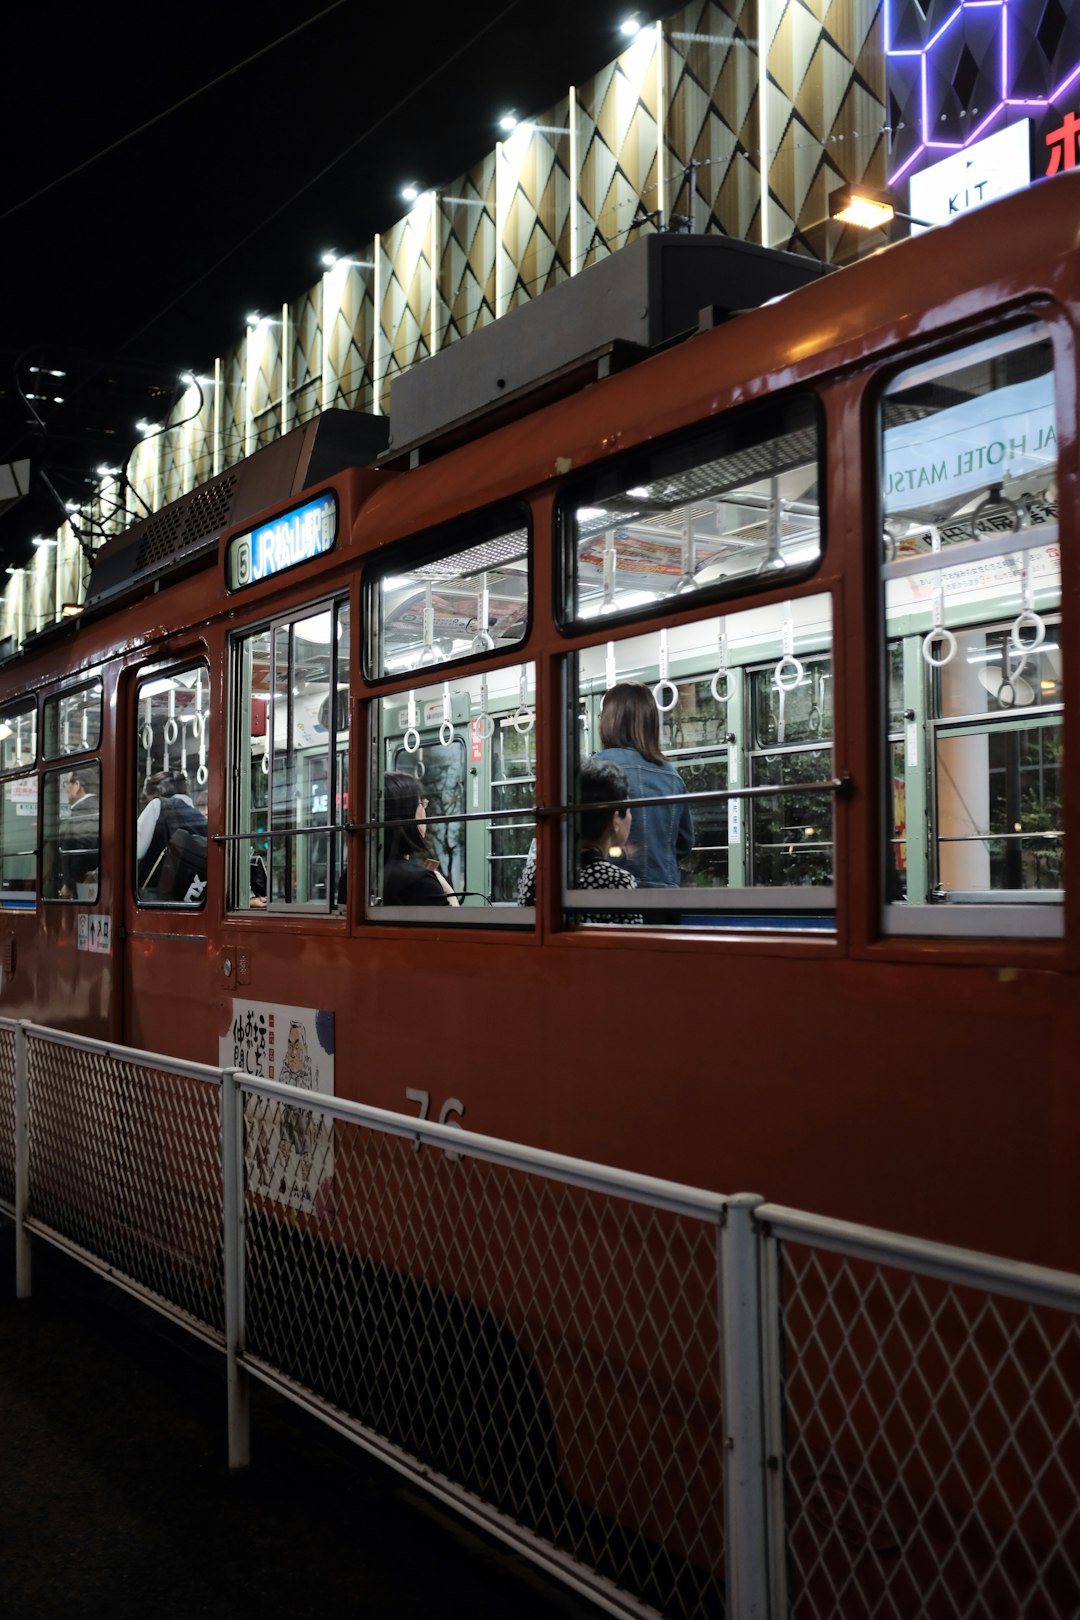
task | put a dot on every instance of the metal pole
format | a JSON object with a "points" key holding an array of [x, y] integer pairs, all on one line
{"points": [[22, 1163], [232, 1148], [746, 1549]]}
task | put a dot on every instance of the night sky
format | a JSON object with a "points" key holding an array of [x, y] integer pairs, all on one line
{"points": [[146, 261]]}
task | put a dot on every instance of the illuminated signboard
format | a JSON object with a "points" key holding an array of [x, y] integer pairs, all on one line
{"points": [[294, 537], [992, 167]]}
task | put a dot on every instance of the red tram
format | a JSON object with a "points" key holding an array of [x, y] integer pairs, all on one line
{"points": [[829, 534]]}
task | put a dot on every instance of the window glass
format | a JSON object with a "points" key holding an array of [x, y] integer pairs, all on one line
{"points": [[171, 773], [972, 598], [456, 602], [291, 800], [454, 768], [701, 717], [71, 832], [72, 722], [712, 515], [18, 840], [18, 737]]}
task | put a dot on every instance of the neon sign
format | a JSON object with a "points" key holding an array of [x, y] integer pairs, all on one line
{"points": [[995, 55]]}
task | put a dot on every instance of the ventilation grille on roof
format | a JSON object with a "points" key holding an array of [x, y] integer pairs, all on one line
{"points": [[178, 529]]}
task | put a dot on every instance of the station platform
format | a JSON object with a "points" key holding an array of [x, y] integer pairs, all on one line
{"points": [[116, 1500]]}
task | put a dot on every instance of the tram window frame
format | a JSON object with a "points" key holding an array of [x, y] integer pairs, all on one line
{"points": [[412, 722], [944, 623], [52, 849], [740, 431], [12, 716], [165, 862], [53, 718], [725, 655], [427, 548], [255, 843]]}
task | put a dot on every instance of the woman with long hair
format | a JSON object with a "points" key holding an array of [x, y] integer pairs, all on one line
{"points": [[411, 875], [603, 829], [630, 737]]}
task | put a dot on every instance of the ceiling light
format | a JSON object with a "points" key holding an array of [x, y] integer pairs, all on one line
{"points": [[629, 26], [410, 192], [508, 121]]}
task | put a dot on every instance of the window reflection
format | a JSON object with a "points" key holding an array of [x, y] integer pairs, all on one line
{"points": [[707, 515], [742, 701], [470, 743]]}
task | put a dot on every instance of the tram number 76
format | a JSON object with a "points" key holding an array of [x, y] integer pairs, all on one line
{"points": [[452, 1105]]}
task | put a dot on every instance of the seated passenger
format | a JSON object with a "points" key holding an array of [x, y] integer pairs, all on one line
{"points": [[602, 833], [411, 875]]}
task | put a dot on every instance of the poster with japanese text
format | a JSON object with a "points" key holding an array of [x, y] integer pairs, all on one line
{"points": [[290, 1150]]}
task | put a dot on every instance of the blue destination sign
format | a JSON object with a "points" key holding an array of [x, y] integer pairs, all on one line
{"points": [[295, 537]]}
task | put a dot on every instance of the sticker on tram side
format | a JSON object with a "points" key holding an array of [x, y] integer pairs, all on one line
{"points": [[292, 1149], [95, 932]]}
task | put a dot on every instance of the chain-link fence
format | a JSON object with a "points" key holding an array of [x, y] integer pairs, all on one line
{"points": [[683, 1404], [931, 1430], [7, 1117]]}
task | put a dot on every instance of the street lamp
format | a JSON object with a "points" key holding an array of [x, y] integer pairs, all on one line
{"points": [[868, 208]]}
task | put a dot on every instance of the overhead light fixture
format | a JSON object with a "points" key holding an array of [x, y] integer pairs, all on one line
{"points": [[868, 208], [331, 260], [147, 427], [72, 506], [410, 192], [42, 540], [630, 26], [862, 205], [508, 121], [47, 371]]}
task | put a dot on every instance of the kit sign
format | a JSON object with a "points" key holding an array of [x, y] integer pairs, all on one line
{"points": [[294, 537], [988, 440], [992, 167]]}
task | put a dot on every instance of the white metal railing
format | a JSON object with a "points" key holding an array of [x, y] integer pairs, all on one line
{"points": [[679, 1403]]}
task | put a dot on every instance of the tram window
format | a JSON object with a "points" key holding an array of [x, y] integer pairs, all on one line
{"points": [[172, 742], [972, 600], [72, 722], [466, 828], [18, 737], [708, 515], [18, 842], [290, 805], [742, 702], [443, 598], [71, 832]]}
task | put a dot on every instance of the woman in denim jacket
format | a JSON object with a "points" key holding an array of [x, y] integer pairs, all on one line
{"points": [[663, 834]]}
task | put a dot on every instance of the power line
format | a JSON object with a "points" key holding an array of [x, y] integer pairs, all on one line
{"points": [[168, 112], [325, 170]]}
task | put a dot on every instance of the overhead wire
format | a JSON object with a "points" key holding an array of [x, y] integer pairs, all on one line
{"points": [[184, 101], [365, 134]]}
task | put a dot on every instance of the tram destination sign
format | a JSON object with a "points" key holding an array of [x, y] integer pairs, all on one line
{"points": [[293, 538]]}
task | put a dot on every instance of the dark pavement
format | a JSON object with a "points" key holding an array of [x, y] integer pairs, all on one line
{"points": [[116, 1501]]}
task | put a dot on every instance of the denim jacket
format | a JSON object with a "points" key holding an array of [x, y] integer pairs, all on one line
{"points": [[660, 834]]}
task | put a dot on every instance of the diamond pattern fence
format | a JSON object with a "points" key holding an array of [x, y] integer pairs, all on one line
{"points": [[931, 1436], [545, 1348], [126, 1168], [7, 1116]]}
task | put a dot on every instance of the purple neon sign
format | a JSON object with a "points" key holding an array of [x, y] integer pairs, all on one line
{"points": [[999, 29]]}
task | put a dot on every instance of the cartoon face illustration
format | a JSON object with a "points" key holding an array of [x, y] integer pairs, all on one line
{"points": [[295, 1050]]}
